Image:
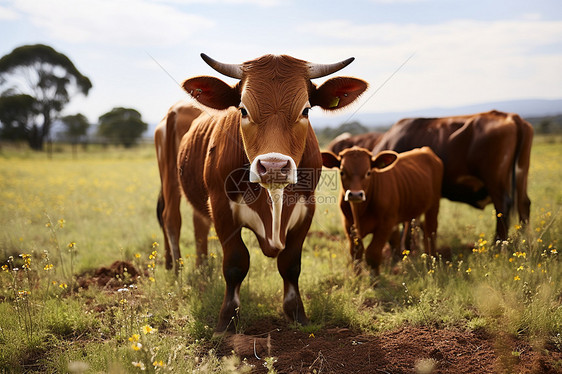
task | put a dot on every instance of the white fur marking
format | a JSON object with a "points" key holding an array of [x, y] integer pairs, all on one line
{"points": [[298, 213], [247, 216], [277, 208], [290, 295]]}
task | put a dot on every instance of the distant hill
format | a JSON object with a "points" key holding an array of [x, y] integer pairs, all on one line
{"points": [[525, 108], [529, 109]]}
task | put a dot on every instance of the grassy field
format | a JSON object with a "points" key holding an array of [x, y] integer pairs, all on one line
{"points": [[62, 218]]}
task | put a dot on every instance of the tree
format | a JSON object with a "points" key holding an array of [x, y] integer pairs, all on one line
{"points": [[47, 76], [76, 129], [16, 116], [122, 126]]}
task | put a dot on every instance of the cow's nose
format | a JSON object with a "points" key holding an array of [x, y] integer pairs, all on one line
{"points": [[354, 196], [273, 169]]}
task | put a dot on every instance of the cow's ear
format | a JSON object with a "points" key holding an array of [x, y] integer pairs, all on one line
{"points": [[384, 160], [337, 92], [212, 92], [330, 160]]}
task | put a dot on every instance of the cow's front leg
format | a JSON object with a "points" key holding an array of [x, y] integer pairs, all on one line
{"points": [[373, 254], [235, 265], [289, 266]]}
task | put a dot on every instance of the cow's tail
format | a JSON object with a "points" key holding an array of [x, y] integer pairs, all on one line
{"points": [[160, 204], [521, 163]]}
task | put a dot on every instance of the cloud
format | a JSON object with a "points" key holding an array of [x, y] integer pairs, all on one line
{"points": [[7, 14], [456, 62], [111, 22]]}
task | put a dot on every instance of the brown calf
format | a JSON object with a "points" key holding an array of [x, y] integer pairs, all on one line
{"points": [[382, 191]]}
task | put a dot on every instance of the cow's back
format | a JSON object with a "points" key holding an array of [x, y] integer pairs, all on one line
{"points": [[409, 188]]}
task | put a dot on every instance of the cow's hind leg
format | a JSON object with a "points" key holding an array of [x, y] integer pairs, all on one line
{"points": [[159, 213], [235, 265], [171, 218], [201, 226], [503, 204], [289, 266]]}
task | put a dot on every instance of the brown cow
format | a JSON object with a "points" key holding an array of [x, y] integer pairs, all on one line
{"points": [[367, 140], [380, 192], [485, 157], [256, 162], [176, 122]]}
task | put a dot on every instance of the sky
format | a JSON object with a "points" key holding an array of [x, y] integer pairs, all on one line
{"points": [[415, 54]]}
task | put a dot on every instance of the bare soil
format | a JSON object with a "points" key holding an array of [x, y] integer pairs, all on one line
{"points": [[113, 277], [408, 349], [405, 350]]}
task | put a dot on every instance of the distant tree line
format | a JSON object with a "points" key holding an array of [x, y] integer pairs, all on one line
{"points": [[36, 83]]}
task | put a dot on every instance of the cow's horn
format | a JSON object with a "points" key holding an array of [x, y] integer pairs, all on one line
{"points": [[321, 70], [230, 70]]}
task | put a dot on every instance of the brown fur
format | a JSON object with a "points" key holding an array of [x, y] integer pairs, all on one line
{"points": [[213, 166], [367, 140], [176, 123], [398, 193]]}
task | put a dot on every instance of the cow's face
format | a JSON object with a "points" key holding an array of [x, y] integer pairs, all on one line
{"points": [[356, 167], [274, 96]]}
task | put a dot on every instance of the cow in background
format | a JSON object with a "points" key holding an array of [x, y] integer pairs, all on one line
{"points": [[485, 156], [167, 137], [256, 162], [343, 141], [382, 191]]}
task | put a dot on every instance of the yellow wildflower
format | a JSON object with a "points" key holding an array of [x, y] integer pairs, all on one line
{"points": [[136, 346], [311, 335], [158, 364], [516, 278], [468, 271], [147, 329], [63, 285], [48, 267], [134, 338]]}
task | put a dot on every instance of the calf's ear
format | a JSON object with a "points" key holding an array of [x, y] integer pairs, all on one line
{"points": [[330, 160], [337, 92], [383, 160], [212, 92]]}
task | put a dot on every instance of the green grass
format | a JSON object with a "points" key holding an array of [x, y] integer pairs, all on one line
{"points": [[104, 202]]}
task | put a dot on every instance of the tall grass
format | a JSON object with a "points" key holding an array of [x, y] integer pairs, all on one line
{"points": [[62, 217]]}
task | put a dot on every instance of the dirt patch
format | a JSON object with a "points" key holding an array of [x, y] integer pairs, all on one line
{"points": [[117, 275], [406, 350]]}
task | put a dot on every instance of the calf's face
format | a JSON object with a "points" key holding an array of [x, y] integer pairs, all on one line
{"points": [[357, 166]]}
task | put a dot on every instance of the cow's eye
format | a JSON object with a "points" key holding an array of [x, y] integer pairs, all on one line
{"points": [[342, 173], [368, 174], [305, 112], [244, 112]]}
